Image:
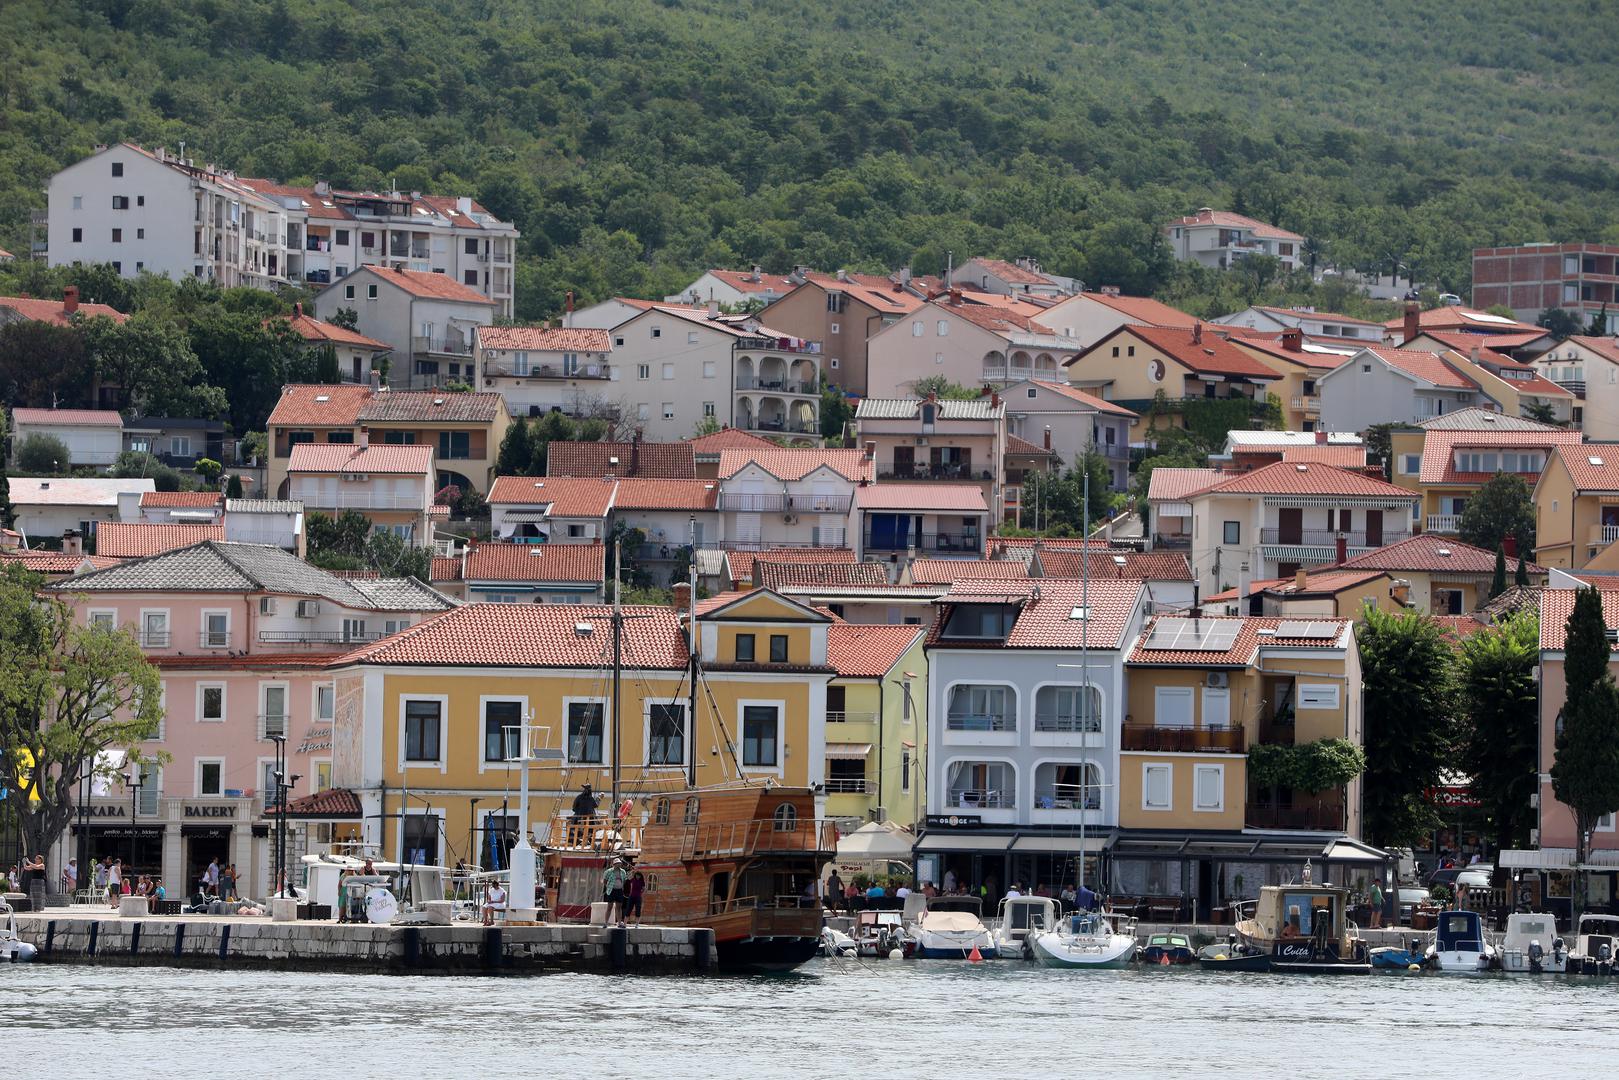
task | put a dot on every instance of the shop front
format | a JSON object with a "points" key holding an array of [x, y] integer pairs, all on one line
{"points": [[955, 850], [172, 839]]}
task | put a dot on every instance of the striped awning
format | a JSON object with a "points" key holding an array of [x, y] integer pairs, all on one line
{"points": [[846, 750]]}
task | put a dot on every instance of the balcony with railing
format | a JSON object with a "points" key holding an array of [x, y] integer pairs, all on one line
{"points": [[1257, 815], [843, 717], [960, 472], [315, 637], [1307, 402], [359, 500], [983, 798], [946, 543], [1066, 723], [1008, 374], [153, 639], [1052, 796], [1182, 740], [1329, 537], [776, 385], [272, 725], [1444, 523], [219, 639], [1603, 535], [782, 425], [980, 721], [448, 346], [510, 370], [848, 785]]}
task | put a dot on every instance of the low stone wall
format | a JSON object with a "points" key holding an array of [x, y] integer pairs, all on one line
{"points": [[218, 942]]}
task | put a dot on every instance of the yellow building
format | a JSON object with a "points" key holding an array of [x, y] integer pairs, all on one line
{"points": [[429, 719], [876, 723], [1577, 508]]}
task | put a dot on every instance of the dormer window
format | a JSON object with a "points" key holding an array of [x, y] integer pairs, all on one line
{"points": [[980, 622]]}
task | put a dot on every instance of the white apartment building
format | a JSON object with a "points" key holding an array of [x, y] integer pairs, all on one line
{"points": [[151, 210], [541, 369], [1219, 238], [790, 498], [968, 344]]}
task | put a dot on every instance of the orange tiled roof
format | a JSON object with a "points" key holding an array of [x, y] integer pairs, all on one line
{"points": [[869, 651], [204, 500], [786, 575], [923, 498], [1012, 272], [671, 460], [1434, 554], [1020, 447], [1243, 650], [572, 563], [1169, 484], [545, 338], [1228, 220], [1313, 353], [1046, 621], [430, 406], [1211, 354], [746, 281], [137, 539], [68, 417], [1594, 467], [1325, 581], [739, 564], [532, 635], [1344, 456], [318, 405], [312, 329], [1076, 394], [351, 458], [1439, 450], [996, 320], [1290, 478], [1144, 309], [945, 571], [1468, 321], [870, 289], [54, 562], [1605, 347], [852, 465], [729, 438], [446, 568], [645, 494], [425, 285], [1144, 565], [568, 496], [52, 311]]}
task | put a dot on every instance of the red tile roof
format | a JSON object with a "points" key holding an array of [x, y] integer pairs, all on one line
{"points": [[1288, 478], [1243, 650], [1326, 316], [1594, 467], [568, 496], [852, 465], [1605, 347], [1046, 621], [1076, 394], [1144, 565], [671, 461], [1226, 219], [1434, 554], [870, 651], [342, 457], [945, 571], [870, 289], [1313, 354], [1019, 447], [730, 438], [137, 539], [739, 564], [312, 329], [923, 498], [1012, 272], [1170, 484], [532, 635], [644, 494], [1556, 605], [54, 562], [1439, 450], [318, 405], [787, 575], [1323, 582], [446, 568], [1467, 320], [995, 319], [68, 417], [544, 338], [1212, 355], [52, 311], [425, 285], [333, 803], [572, 563], [746, 281], [430, 407], [1344, 456], [1464, 343], [205, 500], [1143, 309]]}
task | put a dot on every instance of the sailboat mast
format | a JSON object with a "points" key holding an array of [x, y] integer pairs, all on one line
{"points": [[618, 657], [692, 658], [1084, 660]]}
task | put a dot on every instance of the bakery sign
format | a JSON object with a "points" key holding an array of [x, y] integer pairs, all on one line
{"points": [[316, 739]]}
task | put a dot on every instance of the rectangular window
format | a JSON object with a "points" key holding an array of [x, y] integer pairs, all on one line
{"points": [[211, 702], [917, 328], [585, 732], [78, 203], [1318, 695], [273, 711], [944, 328], [370, 292], [471, 245], [322, 780], [835, 328], [708, 369], [643, 411], [210, 777], [118, 236], [708, 408], [325, 703], [343, 237], [422, 730], [778, 648], [1155, 787], [1208, 788], [216, 630], [502, 730], [666, 734], [348, 292], [759, 736], [140, 234], [668, 410], [469, 277], [657, 332], [643, 372], [421, 838], [455, 444], [668, 372], [744, 648], [78, 236], [155, 629], [105, 620], [120, 202], [905, 771], [1410, 464], [118, 168], [1233, 532]]}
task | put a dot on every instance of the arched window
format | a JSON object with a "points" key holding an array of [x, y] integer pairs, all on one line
{"points": [[691, 810], [786, 817], [661, 812]]}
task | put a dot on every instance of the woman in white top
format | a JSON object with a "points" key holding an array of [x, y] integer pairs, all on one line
{"points": [[494, 899], [115, 881]]}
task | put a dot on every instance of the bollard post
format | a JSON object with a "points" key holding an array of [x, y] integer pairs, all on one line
{"points": [[224, 941], [618, 947], [492, 947], [95, 932], [135, 939], [179, 939], [702, 941], [50, 936], [413, 946]]}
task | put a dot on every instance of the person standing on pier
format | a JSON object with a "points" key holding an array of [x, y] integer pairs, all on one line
{"points": [[115, 881], [613, 891], [210, 878], [633, 890]]}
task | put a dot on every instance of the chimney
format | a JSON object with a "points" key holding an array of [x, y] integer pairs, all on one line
{"points": [[1299, 578], [871, 450], [905, 275], [70, 299], [1478, 353], [994, 400], [1509, 543], [713, 309], [72, 543], [1047, 441], [463, 203], [376, 380], [1293, 339], [1321, 438], [298, 310], [1413, 324], [757, 274], [635, 454], [1245, 585], [843, 275], [1197, 333], [365, 436], [682, 595], [568, 303], [955, 297], [1340, 549]]}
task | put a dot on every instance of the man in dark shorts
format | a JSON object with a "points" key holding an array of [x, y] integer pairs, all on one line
{"points": [[632, 898], [613, 879]]}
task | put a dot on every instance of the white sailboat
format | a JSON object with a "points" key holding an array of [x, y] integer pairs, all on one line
{"points": [[1087, 939]]}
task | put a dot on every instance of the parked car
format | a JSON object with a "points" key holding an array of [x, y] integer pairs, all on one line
{"points": [[1411, 897], [1476, 876], [1450, 299]]}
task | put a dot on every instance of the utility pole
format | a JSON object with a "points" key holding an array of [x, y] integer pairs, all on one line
{"points": [[692, 658], [520, 895]]}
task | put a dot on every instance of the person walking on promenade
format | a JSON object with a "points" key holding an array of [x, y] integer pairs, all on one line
{"points": [[1377, 905], [70, 878], [115, 881], [834, 892], [613, 891]]}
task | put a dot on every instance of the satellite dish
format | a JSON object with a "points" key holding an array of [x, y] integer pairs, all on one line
{"points": [[380, 906]]}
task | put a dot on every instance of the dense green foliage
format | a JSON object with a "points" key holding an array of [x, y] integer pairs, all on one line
{"points": [[524, 447], [1312, 767], [1502, 507], [635, 141], [1501, 707], [347, 542], [1585, 774]]}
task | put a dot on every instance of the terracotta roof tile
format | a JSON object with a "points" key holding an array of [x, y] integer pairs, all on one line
{"points": [[739, 564], [544, 338], [52, 311], [570, 563], [671, 461], [317, 405], [429, 407], [1313, 353], [1594, 467], [1605, 347], [136, 539], [1019, 447], [1169, 484], [1467, 320], [54, 562], [312, 329], [1012, 272], [1323, 582], [68, 417], [567, 496], [927, 498], [533, 635], [867, 651], [422, 284], [1213, 354], [748, 282], [1290, 478], [1439, 450], [712, 444], [205, 500], [852, 465], [946, 571], [1435, 554], [875, 292], [1343, 456], [784, 575], [1143, 565], [997, 320], [446, 568], [1228, 220], [1556, 605], [1046, 621], [1243, 649], [343, 457], [340, 803], [1074, 393], [1143, 309], [645, 494]]}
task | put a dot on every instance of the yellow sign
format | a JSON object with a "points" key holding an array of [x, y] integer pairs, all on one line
{"points": [[25, 772]]}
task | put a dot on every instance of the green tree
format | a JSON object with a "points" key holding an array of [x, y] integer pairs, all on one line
{"points": [[1521, 576], [340, 537], [233, 486], [392, 556], [149, 365], [1501, 710], [1498, 583], [943, 389], [8, 512], [1540, 411], [1380, 447], [1559, 323], [133, 463], [326, 370], [708, 425], [68, 691], [43, 365], [42, 455], [835, 410], [516, 451], [1410, 733], [1599, 323], [1502, 507], [347, 318], [1585, 772]]}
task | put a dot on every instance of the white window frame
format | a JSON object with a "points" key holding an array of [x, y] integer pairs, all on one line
{"points": [[1198, 806], [1147, 769], [1161, 693], [314, 775], [607, 732], [668, 372], [484, 701], [668, 410], [780, 768], [643, 372], [442, 764], [93, 614], [1410, 464], [263, 792], [168, 628], [196, 777], [646, 731], [224, 701], [286, 705], [1327, 693], [708, 369], [643, 411], [203, 634], [708, 408]]}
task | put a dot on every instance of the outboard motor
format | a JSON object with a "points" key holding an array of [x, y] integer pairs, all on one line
{"points": [[1604, 958], [1536, 955], [1558, 949]]}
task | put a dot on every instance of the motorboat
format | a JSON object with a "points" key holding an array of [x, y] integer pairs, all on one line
{"points": [[1531, 945], [950, 929], [1232, 955], [1459, 945], [835, 942], [1305, 930], [1596, 946], [1021, 918], [13, 949], [1398, 958], [1167, 949], [878, 933], [1086, 939]]}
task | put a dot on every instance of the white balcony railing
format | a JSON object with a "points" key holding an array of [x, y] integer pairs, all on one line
{"points": [[1444, 523], [361, 500]]}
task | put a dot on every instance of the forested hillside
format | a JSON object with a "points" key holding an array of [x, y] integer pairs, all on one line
{"points": [[636, 141]]}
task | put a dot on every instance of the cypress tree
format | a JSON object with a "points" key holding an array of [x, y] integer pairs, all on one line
{"points": [[1521, 577], [1498, 583]]}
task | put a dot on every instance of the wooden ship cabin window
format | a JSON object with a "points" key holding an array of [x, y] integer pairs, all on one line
{"points": [[661, 814], [691, 810], [786, 817]]}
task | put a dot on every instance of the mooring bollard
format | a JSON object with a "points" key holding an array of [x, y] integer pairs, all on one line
{"points": [[492, 952], [179, 939], [224, 941], [702, 941], [618, 947]]}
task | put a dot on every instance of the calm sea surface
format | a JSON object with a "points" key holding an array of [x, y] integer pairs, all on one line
{"points": [[835, 1018]]}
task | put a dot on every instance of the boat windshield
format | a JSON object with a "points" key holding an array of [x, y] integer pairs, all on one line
{"points": [[1086, 923], [1459, 932], [1301, 910]]}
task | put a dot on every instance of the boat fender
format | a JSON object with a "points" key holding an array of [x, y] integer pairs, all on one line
{"points": [[1414, 967], [975, 956], [1163, 959], [898, 954]]}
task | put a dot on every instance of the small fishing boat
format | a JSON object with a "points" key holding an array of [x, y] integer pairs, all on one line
{"points": [[950, 929], [1087, 940], [878, 933], [1459, 946], [1232, 955], [1396, 957], [1167, 949], [13, 949], [1305, 930], [1021, 918], [835, 942], [1596, 946], [1531, 945]]}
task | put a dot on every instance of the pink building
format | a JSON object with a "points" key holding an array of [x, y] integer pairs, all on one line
{"points": [[242, 635]]}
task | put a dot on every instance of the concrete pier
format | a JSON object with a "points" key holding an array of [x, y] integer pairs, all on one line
{"points": [[221, 941]]}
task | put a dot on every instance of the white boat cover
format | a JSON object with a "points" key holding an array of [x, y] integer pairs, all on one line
{"points": [[944, 922]]}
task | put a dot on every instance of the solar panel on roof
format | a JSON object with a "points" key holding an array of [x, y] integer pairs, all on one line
{"points": [[1193, 635], [1309, 631]]}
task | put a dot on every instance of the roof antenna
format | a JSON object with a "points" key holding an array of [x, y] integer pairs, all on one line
{"points": [[949, 267]]}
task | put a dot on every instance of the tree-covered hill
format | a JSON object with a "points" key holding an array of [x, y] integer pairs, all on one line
{"points": [[635, 141]]}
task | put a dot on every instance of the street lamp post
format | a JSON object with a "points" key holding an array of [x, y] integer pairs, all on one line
{"points": [[279, 776], [132, 778]]}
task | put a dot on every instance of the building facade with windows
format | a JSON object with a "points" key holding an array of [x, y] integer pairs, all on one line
{"points": [[968, 344], [241, 635], [94, 437], [1555, 820], [790, 498], [928, 440], [392, 486], [541, 369], [842, 311], [427, 320], [876, 724], [1220, 239], [1529, 278]]}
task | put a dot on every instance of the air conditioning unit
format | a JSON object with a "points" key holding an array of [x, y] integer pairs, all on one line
{"points": [[1219, 679], [921, 441], [489, 382], [308, 609], [266, 605], [789, 519]]}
